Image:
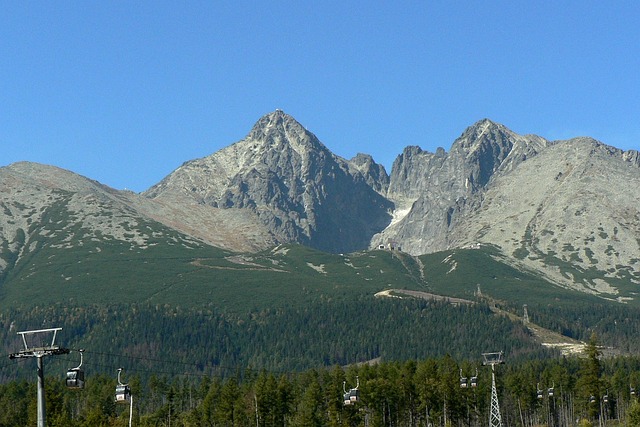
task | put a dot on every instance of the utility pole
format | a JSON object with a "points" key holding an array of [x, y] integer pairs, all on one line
{"points": [[32, 350], [493, 359]]}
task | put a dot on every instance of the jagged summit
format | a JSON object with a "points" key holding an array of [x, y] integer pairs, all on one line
{"points": [[275, 122], [276, 142], [278, 129], [287, 178], [484, 123], [484, 132], [278, 119]]}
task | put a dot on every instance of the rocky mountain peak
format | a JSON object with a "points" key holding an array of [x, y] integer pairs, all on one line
{"points": [[276, 121], [483, 132], [278, 129], [298, 189], [433, 191], [486, 147], [277, 118], [374, 174]]}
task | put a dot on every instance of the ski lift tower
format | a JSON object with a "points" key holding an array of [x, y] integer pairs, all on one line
{"points": [[37, 346], [494, 359]]}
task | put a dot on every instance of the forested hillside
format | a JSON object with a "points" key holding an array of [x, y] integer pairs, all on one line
{"points": [[324, 333], [293, 308], [554, 392], [195, 328]]}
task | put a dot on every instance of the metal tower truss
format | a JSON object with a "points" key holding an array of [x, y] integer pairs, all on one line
{"points": [[33, 348], [493, 359]]}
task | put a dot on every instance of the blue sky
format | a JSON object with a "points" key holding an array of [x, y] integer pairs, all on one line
{"points": [[125, 92]]}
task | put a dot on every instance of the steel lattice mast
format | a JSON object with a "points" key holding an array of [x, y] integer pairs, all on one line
{"points": [[493, 359]]}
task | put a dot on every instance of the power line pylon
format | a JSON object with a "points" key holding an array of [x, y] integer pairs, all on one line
{"points": [[493, 359], [44, 349]]}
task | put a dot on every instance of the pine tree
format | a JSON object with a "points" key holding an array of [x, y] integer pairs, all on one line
{"points": [[589, 383], [309, 412]]}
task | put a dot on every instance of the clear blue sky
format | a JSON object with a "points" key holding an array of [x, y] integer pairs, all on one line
{"points": [[124, 92]]}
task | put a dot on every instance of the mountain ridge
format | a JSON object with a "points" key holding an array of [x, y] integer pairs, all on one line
{"points": [[280, 184]]}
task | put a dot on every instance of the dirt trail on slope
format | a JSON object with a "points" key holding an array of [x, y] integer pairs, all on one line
{"points": [[547, 338]]}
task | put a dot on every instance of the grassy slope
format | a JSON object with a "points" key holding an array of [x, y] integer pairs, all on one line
{"points": [[187, 274], [460, 272], [62, 262], [192, 277]]}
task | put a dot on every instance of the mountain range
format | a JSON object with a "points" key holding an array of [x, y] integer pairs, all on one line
{"points": [[568, 211]]}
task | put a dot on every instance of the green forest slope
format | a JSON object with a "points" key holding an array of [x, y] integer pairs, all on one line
{"points": [[176, 300]]}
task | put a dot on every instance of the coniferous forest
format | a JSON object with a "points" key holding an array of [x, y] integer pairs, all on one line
{"points": [[288, 361], [325, 333], [291, 367], [553, 392]]}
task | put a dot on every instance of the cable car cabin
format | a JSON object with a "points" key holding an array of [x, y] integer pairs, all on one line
{"points": [[550, 391], [474, 381], [347, 399], [75, 378], [539, 394], [123, 393], [352, 396], [463, 382]]}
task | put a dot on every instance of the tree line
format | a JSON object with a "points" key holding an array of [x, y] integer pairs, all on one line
{"points": [[553, 392]]}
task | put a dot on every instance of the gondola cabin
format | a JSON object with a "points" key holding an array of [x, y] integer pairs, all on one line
{"points": [[353, 395], [463, 382], [123, 393], [347, 399], [474, 382], [75, 378]]}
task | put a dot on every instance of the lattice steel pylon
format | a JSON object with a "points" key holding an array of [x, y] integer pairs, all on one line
{"points": [[493, 359]]}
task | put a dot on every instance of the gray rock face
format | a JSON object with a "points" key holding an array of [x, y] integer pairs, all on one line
{"points": [[374, 174], [566, 209], [434, 190], [299, 190], [632, 156], [569, 212]]}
